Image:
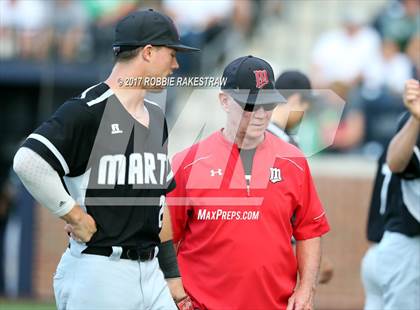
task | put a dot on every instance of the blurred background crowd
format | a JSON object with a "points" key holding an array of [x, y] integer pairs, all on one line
{"points": [[363, 51]]}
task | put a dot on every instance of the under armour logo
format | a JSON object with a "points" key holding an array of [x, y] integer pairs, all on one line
{"points": [[261, 78], [275, 175], [115, 128], [214, 172]]}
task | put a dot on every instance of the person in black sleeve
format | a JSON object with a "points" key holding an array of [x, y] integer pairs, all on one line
{"points": [[390, 269], [109, 147]]}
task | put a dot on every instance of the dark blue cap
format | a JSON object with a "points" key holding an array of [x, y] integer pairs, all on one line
{"points": [[250, 80]]}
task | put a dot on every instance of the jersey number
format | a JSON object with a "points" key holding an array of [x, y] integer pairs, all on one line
{"points": [[162, 203]]}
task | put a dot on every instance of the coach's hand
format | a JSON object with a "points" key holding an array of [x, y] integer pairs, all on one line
{"points": [[302, 299], [80, 225]]}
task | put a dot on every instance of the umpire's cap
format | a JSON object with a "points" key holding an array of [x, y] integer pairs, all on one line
{"points": [[147, 27], [250, 80], [292, 81]]}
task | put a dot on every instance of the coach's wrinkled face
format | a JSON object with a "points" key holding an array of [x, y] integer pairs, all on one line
{"points": [[248, 124]]}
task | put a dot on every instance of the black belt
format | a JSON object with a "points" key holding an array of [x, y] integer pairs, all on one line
{"points": [[127, 252]]}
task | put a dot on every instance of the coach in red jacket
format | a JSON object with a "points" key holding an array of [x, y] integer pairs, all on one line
{"points": [[241, 195]]}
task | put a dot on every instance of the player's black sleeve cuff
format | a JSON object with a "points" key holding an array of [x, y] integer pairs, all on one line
{"points": [[43, 151], [412, 171]]}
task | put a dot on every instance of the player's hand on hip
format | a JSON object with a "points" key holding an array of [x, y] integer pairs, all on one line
{"points": [[412, 97], [302, 299], [80, 225]]}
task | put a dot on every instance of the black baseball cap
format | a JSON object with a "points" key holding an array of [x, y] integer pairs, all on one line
{"points": [[250, 80], [293, 81], [147, 27]]}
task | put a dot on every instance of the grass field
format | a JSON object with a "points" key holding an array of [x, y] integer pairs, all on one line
{"points": [[25, 305]]}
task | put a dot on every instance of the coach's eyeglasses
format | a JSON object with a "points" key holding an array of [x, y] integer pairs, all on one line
{"points": [[250, 107]]}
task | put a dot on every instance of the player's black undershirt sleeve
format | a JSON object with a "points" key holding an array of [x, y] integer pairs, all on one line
{"points": [[66, 138]]}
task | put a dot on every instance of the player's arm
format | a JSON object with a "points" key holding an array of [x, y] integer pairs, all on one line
{"points": [[308, 253], [167, 255], [44, 184], [57, 148], [169, 265], [400, 150]]}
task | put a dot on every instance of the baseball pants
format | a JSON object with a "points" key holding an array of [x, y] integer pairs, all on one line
{"points": [[94, 282], [391, 273]]}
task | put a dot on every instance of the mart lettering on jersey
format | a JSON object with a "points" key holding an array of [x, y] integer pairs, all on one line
{"points": [[141, 169]]}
